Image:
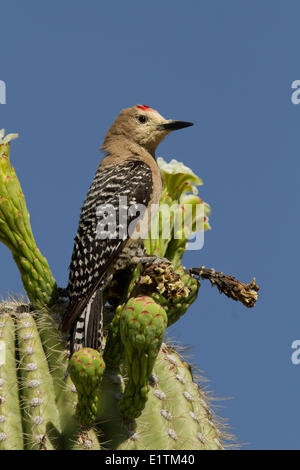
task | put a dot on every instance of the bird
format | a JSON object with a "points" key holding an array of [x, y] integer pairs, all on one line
{"points": [[127, 181]]}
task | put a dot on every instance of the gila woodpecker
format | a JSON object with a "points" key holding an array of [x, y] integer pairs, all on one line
{"points": [[127, 177]]}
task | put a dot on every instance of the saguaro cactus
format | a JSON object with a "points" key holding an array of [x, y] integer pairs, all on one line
{"points": [[138, 393]]}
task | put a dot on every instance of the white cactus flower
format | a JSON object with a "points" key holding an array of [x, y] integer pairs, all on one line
{"points": [[7, 138]]}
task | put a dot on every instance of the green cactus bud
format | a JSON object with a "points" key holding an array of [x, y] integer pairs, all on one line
{"points": [[86, 370], [142, 326]]}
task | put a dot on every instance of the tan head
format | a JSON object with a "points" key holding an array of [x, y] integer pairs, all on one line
{"points": [[144, 126]]}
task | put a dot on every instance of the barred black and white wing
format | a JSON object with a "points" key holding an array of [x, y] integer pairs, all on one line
{"points": [[126, 184]]}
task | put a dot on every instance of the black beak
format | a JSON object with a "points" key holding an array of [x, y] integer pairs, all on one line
{"points": [[174, 125]]}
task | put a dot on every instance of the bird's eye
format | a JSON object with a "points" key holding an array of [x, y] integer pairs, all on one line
{"points": [[142, 119]]}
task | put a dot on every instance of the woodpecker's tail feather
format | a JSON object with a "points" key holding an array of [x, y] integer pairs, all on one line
{"points": [[87, 331], [94, 321]]}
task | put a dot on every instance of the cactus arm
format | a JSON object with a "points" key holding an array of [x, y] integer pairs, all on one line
{"points": [[176, 414], [16, 234], [73, 436], [65, 392], [40, 416], [189, 414], [11, 432]]}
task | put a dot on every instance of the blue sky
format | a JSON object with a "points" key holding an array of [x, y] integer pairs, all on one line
{"points": [[69, 67]]}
